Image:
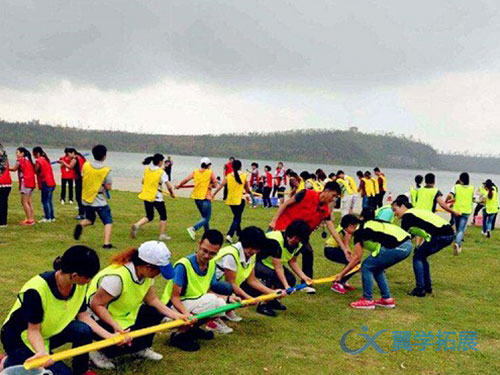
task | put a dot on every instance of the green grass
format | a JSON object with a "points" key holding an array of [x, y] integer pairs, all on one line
{"points": [[304, 339]]}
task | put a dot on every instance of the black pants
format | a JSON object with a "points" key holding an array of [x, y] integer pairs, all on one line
{"points": [[307, 259], [236, 224], [4, 204], [335, 254], [78, 196], [270, 279], [64, 182], [379, 200], [266, 200], [478, 209], [148, 316], [150, 208]]}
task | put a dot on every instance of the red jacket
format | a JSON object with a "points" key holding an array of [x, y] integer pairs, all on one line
{"points": [[45, 173], [5, 178], [28, 170], [67, 173], [309, 209]]}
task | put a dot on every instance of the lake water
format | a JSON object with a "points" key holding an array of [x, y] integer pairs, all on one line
{"points": [[127, 170]]}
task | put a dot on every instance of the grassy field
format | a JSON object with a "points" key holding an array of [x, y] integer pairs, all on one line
{"points": [[305, 339]]}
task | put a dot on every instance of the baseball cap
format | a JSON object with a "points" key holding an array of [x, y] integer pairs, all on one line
{"points": [[205, 160], [158, 254]]}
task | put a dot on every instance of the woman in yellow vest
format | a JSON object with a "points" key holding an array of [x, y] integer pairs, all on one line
{"points": [[464, 200], [204, 180], [388, 245], [490, 206], [235, 264], [236, 183], [50, 310], [414, 190], [122, 298], [152, 194], [96, 184]]}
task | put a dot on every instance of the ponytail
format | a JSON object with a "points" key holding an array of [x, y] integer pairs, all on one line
{"points": [[155, 159], [236, 168], [38, 150], [26, 154]]}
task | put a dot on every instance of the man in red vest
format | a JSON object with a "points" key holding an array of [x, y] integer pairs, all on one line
{"points": [[314, 208]]}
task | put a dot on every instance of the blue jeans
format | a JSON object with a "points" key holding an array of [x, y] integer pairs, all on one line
{"points": [[488, 221], [47, 203], [104, 213], [77, 333], [374, 268], [421, 266], [461, 225], [205, 208]]}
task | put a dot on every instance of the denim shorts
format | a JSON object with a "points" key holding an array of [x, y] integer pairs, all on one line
{"points": [[104, 213]]}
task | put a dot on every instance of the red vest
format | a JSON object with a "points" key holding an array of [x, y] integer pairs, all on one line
{"points": [[66, 173], [45, 173], [308, 209], [81, 161], [28, 173], [5, 178]]}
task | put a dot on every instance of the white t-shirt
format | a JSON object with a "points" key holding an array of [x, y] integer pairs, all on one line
{"points": [[229, 263], [113, 283], [163, 179]]}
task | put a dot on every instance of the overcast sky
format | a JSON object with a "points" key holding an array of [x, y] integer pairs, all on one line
{"points": [[430, 69]]}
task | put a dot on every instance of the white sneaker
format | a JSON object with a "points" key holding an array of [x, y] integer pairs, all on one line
{"points": [[52, 220], [3, 226], [233, 317], [229, 239], [192, 233], [101, 361], [150, 354], [44, 220], [483, 233], [133, 231], [70, 202], [457, 249], [309, 290], [62, 202], [218, 326], [164, 237]]}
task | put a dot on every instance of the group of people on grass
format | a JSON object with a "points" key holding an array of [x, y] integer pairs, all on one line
{"points": [[77, 302]]}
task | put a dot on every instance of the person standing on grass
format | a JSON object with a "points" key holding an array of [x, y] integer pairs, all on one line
{"points": [[50, 311], [268, 187], [226, 170], [192, 291], [204, 180], [436, 234], [490, 206], [96, 183], [414, 190], [463, 193], [334, 252], [236, 266], [279, 182], [314, 208], [152, 195], [77, 165], [254, 181], [68, 174], [46, 183], [168, 167], [236, 183], [381, 182], [5, 186], [388, 245], [122, 299], [26, 175]]}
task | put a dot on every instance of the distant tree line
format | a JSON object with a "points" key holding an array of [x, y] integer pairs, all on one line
{"points": [[345, 147]]}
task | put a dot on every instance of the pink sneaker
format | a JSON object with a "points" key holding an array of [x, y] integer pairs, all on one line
{"points": [[339, 288], [349, 287], [388, 303], [363, 304]]}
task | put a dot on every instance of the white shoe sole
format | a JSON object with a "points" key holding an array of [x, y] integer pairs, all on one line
{"points": [[386, 306], [336, 291], [363, 308]]}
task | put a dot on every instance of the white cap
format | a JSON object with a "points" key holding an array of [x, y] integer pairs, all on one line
{"points": [[205, 160], [158, 254]]}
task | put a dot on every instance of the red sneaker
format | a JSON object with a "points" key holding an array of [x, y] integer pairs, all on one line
{"points": [[338, 288], [349, 287], [388, 303], [27, 222], [363, 304]]}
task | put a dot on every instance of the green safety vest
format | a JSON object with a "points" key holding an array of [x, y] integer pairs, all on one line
{"points": [[286, 255], [429, 217], [331, 242], [242, 272], [57, 313], [491, 205], [413, 195], [386, 228], [464, 198], [197, 285], [425, 198], [124, 308]]}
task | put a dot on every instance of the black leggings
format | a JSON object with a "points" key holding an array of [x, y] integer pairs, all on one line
{"points": [[266, 200], [336, 255], [78, 196], [4, 204], [64, 182], [150, 210], [270, 278], [307, 259], [236, 224]]}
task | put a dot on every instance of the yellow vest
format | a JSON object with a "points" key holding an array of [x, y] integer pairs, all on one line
{"points": [[201, 183], [125, 308], [242, 272], [425, 198], [151, 184], [331, 242], [375, 185], [384, 182], [413, 195], [352, 183], [464, 198], [92, 181], [286, 255], [491, 205], [57, 313], [346, 185], [234, 189], [302, 184], [369, 187]]}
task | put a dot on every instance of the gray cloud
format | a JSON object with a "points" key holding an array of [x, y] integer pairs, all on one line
{"points": [[239, 44]]}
